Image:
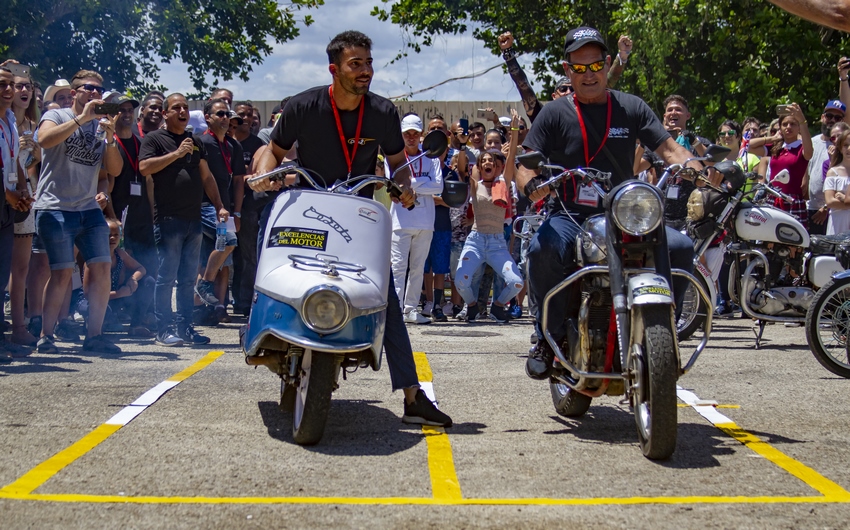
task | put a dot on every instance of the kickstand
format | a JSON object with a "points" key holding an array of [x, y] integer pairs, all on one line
{"points": [[760, 332]]}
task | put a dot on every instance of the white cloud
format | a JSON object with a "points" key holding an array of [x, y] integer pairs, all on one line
{"points": [[301, 64]]}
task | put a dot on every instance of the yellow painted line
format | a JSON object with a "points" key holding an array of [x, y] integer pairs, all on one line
{"points": [[806, 474], [794, 467], [43, 472], [423, 367], [445, 485], [598, 501]]}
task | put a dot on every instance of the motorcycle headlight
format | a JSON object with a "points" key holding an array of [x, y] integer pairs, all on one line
{"points": [[637, 209], [325, 310]]}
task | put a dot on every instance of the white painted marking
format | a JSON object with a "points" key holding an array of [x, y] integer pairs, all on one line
{"points": [[126, 415], [707, 412], [149, 398]]}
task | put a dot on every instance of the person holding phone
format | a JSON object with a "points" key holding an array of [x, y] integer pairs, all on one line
{"points": [[75, 163]]}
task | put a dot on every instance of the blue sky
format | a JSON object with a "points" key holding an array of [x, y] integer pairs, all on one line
{"points": [[302, 63]]}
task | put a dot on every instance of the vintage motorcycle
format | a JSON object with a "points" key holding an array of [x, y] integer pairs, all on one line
{"points": [[776, 267], [320, 299], [622, 341]]}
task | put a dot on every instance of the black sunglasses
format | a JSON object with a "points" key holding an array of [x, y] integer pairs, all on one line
{"points": [[565, 89], [222, 113], [91, 88]]}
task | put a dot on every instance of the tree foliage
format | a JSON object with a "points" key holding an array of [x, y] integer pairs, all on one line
{"points": [[126, 41], [729, 58]]}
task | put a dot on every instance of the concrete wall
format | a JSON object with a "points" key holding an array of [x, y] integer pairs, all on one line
{"points": [[450, 110]]}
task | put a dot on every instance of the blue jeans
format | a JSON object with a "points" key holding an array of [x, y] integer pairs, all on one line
{"points": [[493, 250], [178, 246], [396, 340], [551, 258], [60, 230]]}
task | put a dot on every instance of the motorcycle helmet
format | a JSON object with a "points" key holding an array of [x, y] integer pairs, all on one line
{"points": [[455, 193], [733, 176]]}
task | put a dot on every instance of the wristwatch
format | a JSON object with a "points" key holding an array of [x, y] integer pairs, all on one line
{"points": [[237, 215]]}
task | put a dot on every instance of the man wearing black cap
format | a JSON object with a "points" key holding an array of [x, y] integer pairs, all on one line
{"points": [[563, 86], [593, 127]]}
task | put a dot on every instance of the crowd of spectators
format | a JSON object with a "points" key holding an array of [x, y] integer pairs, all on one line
{"points": [[112, 201]]}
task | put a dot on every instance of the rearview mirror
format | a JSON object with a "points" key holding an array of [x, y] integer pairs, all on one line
{"points": [[783, 177], [435, 144], [716, 153], [532, 160]]}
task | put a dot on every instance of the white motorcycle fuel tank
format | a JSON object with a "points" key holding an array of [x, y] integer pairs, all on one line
{"points": [[765, 223]]}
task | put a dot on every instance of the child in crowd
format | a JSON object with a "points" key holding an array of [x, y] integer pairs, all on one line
{"points": [[131, 290]]}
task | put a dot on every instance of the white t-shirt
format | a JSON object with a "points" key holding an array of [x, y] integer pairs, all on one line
{"points": [[816, 181], [839, 220]]}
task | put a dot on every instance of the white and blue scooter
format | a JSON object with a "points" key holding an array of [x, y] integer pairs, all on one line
{"points": [[320, 296]]}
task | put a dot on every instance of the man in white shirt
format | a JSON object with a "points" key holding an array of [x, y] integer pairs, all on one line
{"points": [[833, 112], [413, 229]]}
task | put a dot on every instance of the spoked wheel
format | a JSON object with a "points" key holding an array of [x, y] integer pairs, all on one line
{"points": [[567, 401], [828, 326], [313, 397], [694, 311], [655, 370]]}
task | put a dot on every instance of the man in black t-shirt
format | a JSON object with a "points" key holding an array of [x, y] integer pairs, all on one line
{"points": [[245, 255], [181, 176], [312, 119], [225, 160], [595, 127]]}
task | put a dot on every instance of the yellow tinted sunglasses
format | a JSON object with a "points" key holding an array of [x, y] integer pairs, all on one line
{"points": [[582, 68]]}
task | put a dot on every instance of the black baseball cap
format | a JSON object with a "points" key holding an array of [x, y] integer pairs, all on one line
{"points": [[578, 37]]}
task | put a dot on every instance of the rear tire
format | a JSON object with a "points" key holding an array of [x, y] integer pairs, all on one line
{"points": [[656, 371], [828, 326], [313, 397], [567, 401]]}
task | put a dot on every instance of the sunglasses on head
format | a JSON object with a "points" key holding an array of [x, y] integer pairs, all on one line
{"points": [[88, 87], [565, 89], [582, 68], [727, 133]]}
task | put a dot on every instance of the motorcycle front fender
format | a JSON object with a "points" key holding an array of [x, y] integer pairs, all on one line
{"points": [[649, 288]]}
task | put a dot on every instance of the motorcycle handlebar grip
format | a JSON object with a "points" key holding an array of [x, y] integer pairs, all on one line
{"points": [[395, 192]]}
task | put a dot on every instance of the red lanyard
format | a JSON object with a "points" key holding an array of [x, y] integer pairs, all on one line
{"points": [[413, 173], [130, 158], [349, 158], [141, 132], [225, 152], [587, 158]]}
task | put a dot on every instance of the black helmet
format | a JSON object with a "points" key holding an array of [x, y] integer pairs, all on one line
{"points": [[733, 175], [455, 193]]}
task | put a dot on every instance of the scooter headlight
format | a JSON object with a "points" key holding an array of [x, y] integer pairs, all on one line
{"points": [[325, 310], [637, 209]]}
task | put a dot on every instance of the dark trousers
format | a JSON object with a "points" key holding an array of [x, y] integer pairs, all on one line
{"points": [[396, 340], [815, 228], [243, 285], [178, 245], [551, 258]]}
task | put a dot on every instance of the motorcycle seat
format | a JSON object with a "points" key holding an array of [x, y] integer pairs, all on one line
{"points": [[827, 245]]}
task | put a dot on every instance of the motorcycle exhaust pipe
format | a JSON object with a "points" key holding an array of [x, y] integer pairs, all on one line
{"points": [[265, 360]]}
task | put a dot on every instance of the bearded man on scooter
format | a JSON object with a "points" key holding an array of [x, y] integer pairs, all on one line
{"points": [[593, 128], [338, 130]]}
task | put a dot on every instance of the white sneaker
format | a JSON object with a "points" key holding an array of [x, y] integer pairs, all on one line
{"points": [[415, 318], [426, 309], [462, 314], [447, 308]]}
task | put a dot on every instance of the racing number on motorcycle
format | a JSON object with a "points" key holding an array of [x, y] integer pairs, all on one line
{"points": [[286, 236]]}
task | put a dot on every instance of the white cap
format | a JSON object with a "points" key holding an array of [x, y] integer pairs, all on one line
{"points": [[411, 122], [504, 120]]}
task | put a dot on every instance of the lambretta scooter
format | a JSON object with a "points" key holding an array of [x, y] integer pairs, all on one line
{"points": [[320, 296]]}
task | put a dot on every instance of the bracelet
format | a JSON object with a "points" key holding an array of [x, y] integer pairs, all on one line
{"points": [[842, 79], [237, 215], [509, 54], [621, 60], [514, 128], [78, 123]]}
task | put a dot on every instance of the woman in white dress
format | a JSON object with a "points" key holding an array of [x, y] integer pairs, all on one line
{"points": [[835, 186]]}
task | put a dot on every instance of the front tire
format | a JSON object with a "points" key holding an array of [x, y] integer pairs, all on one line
{"points": [[828, 326], [567, 401], [313, 397], [694, 311], [655, 370]]}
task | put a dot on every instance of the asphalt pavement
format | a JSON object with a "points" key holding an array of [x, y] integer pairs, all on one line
{"points": [[193, 437]]}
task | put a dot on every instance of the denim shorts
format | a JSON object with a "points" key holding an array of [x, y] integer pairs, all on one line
{"points": [[60, 230]]}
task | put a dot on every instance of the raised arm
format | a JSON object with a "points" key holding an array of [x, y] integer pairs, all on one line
{"points": [[526, 93]]}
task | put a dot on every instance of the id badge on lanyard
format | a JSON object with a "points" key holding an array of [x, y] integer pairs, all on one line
{"points": [[587, 196], [136, 189]]}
